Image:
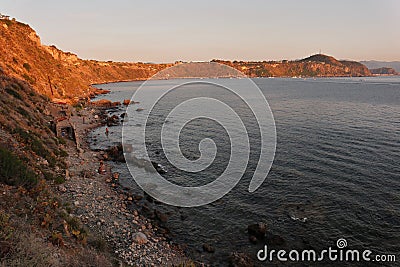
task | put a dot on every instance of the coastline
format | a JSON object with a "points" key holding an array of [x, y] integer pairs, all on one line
{"points": [[106, 208]]}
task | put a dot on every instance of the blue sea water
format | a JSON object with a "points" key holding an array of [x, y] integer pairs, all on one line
{"points": [[337, 163]]}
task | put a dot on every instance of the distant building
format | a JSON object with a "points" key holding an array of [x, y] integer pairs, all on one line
{"points": [[4, 16]]}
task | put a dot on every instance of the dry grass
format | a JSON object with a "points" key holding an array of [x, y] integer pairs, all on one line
{"points": [[23, 245]]}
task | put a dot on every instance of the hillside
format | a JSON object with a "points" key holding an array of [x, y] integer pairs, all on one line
{"points": [[315, 66], [55, 73], [35, 222]]}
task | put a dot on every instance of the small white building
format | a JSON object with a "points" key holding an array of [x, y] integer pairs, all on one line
{"points": [[4, 16]]}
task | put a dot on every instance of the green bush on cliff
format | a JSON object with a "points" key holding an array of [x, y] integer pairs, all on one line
{"points": [[14, 172], [27, 66], [14, 93], [36, 145]]}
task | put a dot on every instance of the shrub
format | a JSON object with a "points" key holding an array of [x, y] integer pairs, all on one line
{"points": [[26, 66], [61, 141], [38, 147], [29, 79], [63, 153], [14, 172], [6, 230], [59, 179], [13, 93], [23, 112], [97, 242]]}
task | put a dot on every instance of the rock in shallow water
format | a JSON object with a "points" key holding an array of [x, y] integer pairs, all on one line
{"points": [[208, 248], [240, 260], [258, 230]]}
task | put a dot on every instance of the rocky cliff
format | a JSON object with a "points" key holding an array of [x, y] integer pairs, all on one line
{"points": [[55, 73]]}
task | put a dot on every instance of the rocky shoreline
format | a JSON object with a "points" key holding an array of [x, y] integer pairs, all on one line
{"points": [[109, 210]]}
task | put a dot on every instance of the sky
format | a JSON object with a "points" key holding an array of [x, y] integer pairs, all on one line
{"points": [[167, 31]]}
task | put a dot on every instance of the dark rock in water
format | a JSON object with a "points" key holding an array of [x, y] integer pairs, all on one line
{"points": [[253, 239], [208, 248], [184, 217], [105, 103], [115, 153], [237, 259], [123, 115], [148, 197], [158, 168], [113, 120], [161, 216], [274, 240], [163, 231], [146, 211], [116, 175], [258, 230], [137, 197]]}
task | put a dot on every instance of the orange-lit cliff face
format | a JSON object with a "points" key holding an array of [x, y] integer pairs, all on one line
{"points": [[23, 56]]}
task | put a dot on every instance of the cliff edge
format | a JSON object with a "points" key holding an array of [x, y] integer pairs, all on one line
{"points": [[55, 73]]}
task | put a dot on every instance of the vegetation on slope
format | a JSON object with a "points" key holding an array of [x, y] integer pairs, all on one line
{"points": [[314, 66], [36, 228]]}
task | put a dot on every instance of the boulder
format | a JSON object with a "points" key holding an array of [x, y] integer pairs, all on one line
{"points": [[139, 238], [102, 103], [258, 230], [253, 239], [115, 153], [237, 259], [161, 216], [158, 167], [113, 120], [105, 103], [116, 175], [275, 240], [62, 188], [208, 248]]}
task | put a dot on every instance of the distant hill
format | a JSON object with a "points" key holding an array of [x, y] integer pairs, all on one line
{"points": [[318, 65], [322, 58], [372, 64], [384, 71]]}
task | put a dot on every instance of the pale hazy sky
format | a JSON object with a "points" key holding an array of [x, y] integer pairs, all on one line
{"points": [[165, 31]]}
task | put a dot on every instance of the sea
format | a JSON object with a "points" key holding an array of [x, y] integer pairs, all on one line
{"points": [[335, 174]]}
